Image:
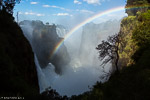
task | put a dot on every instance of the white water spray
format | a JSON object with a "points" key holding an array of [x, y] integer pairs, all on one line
{"points": [[80, 73]]}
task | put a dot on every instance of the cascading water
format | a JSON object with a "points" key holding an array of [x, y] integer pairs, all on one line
{"points": [[83, 70], [43, 83]]}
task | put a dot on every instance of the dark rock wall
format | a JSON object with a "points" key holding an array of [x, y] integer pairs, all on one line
{"points": [[17, 69], [44, 40]]}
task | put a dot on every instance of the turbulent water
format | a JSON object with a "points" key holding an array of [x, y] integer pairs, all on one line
{"points": [[83, 70], [74, 81]]}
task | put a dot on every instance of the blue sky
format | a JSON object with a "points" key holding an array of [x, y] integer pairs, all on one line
{"points": [[66, 11]]}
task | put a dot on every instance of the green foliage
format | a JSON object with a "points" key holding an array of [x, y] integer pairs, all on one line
{"points": [[135, 30], [128, 46], [128, 20], [145, 16], [141, 34], [51, 94], [133, 6], [137, 2]]}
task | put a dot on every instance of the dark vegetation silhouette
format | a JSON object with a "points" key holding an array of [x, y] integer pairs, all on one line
{"points": [[8, 5], [51, 94], [17, 69], [109, 50]]}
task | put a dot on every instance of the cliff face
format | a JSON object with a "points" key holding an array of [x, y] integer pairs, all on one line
{"points": [[44, 40], [128, 46], [137, 6], [61, 30], [92, 35], [17, 69], [134, 30]]}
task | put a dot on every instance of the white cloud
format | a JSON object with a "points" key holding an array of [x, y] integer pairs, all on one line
{"points": [[20, 13], [46, 6], [32, 13], [52, 6], [62, 14], [85, 11], [95, 2], [29, 13], [77, 2], [40, 15], [33, 3]]}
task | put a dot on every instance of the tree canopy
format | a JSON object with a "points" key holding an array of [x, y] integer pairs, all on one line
{"points": [[108, 50], [133, 6], [8, 5]]}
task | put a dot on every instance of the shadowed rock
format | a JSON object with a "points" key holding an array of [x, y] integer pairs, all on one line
{"points": [[44, 40]]}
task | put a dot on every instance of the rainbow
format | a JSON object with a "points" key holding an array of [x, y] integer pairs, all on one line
{"points": [[58, 45]]}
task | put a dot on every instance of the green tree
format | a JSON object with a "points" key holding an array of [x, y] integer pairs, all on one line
{"points": [[141, 34], [133, 6]]}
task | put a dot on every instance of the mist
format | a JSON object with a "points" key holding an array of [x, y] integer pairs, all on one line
{"points": [[82, 70]]}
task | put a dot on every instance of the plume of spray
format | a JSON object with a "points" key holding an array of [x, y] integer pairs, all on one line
{"points": [[83, 71]]}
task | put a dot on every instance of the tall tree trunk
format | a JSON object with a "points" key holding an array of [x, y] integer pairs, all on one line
{"points": [[117, 57], [116, 62]]}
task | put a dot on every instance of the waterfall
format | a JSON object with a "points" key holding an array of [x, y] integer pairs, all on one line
{"points": [[43, 83], [83, 71]]}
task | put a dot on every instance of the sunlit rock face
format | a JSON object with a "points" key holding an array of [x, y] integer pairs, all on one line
{"points": [[61, 30], [44, 40]]}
